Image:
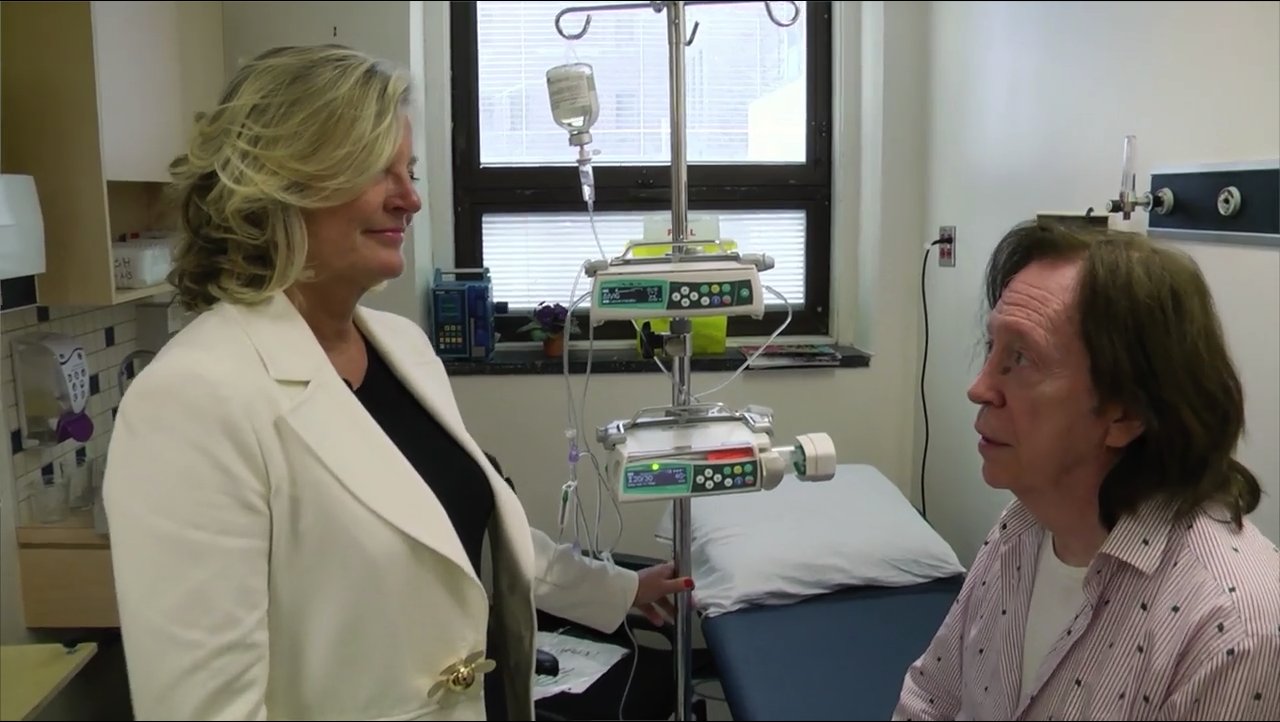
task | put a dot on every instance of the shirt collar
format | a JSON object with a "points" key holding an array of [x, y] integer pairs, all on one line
{"points": [[1139, 539]]}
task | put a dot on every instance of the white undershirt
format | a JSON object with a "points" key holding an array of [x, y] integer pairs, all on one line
{"points": [[1056, 598]]}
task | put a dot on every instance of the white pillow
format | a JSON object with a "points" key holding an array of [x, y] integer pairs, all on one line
{"points": [[808, 538]]}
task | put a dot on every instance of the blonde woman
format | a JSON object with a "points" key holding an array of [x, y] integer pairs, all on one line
{"points": [[297, 509]]}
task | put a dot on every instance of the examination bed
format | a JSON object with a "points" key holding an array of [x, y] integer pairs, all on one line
{"points": [[838, 656], [816, 597]]}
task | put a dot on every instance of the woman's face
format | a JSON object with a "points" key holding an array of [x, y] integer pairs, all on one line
{"points": [[360, 243]]}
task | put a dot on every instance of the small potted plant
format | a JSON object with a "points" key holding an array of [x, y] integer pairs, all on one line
{"points": [[547, 324]]}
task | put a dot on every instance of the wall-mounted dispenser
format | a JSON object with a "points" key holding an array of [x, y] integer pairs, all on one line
{"points": [[21, 227], [52, 380]]}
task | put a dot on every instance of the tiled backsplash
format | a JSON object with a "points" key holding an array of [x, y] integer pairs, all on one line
{"points": [[107, 335]]}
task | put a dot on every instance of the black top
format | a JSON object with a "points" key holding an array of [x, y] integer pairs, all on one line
{"points": [[457, 481], [453, 476]]}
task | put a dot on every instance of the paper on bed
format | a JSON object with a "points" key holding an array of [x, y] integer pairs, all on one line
{"points": [[582, 662], [807, 538]]}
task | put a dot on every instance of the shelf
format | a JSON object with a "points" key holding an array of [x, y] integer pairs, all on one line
{"points": [[96, 118], [125, 295], [75, 533]]}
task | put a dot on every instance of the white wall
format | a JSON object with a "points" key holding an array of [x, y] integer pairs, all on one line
{"points": [[519, 419], [1030, 103]]}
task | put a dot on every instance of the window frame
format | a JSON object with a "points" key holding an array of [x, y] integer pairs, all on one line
{"points": [[634, 188]]}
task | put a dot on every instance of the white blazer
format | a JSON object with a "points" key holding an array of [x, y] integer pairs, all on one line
{"points": [[276, 557]]}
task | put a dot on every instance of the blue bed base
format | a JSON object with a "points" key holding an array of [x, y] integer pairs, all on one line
{"points": [[839, 656]]}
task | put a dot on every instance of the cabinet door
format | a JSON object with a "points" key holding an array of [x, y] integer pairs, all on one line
{"points": [[252, 28], [140, 94], [200, 43]]}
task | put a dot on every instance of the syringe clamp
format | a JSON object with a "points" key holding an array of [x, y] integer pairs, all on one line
{"points": [[818, 457]]}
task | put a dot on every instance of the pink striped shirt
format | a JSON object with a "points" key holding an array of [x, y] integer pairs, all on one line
{"points": [[1180, 622]]}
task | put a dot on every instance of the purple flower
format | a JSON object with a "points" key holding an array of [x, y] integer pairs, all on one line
{"points": [[550, 316], [547, 320]]}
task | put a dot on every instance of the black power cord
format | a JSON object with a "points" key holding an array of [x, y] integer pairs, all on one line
{"points": [[924, 367]]}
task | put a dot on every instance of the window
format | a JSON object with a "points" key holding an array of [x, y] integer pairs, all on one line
{"points": [[758, 126]]}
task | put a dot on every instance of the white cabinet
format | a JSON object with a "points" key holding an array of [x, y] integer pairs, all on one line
{"points": [[139, 82], [98, 99]]}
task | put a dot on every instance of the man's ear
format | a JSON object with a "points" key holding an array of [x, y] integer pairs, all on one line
{"points": [[1125, 426]]}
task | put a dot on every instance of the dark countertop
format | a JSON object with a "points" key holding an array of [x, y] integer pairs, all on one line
{"points": [[532, 362]]}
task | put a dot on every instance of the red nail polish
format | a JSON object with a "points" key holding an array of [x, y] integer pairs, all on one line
{"points": [[688, 584]]}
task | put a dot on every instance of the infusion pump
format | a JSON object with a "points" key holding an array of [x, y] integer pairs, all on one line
{"points": [[706, 450], [640, 288]]}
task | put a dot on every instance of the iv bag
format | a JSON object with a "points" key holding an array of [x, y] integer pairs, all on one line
{"points": [[572, 89]]}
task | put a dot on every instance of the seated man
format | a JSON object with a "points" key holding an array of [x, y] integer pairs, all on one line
{"points": [[1123, 583]]}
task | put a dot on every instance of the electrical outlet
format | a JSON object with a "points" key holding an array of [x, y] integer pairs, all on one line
{"points": [[947, 249]]}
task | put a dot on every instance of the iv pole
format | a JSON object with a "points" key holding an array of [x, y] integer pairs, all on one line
{"points": [[677, 343]]}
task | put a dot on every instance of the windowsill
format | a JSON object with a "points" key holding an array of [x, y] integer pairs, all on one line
{"points": [[532, 362]]}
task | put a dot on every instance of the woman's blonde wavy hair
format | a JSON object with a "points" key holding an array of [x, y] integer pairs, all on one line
{"points": [[296, 128]]}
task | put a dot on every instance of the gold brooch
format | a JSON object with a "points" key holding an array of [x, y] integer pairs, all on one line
{"points": [[461, 676]]}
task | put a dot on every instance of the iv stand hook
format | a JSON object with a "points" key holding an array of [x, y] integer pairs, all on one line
{"points": [[586, 25], [586, 10], [773, 17], [658, 7]]}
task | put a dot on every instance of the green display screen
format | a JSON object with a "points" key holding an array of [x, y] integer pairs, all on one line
{"points": [[657, 478], [633, 293], [669, 478], [655, 294]]}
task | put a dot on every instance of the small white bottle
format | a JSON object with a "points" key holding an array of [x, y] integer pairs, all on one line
{"points": [[574, 103]]}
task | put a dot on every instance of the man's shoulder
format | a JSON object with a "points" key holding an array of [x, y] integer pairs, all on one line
{"points": [[1234, 570]]}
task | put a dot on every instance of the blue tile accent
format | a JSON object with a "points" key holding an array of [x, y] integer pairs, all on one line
{"points": [[15, 441], [46, 470], [109, 333], [95, 385], [42, 314], [82, 455]]}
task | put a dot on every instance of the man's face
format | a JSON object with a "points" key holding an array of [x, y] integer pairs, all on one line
{"points": [[1038, 422]]}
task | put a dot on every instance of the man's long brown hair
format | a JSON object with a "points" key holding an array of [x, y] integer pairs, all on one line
{"points": [[1156, 348]]}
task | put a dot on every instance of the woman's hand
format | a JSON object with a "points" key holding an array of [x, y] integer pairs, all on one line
{"points": [[653, 594]]}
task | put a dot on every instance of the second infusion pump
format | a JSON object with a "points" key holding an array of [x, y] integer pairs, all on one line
{"points": [[706, 450], [668, 462]]}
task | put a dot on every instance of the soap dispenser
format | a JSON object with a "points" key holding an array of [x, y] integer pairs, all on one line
{"points": [[52, 380]]}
